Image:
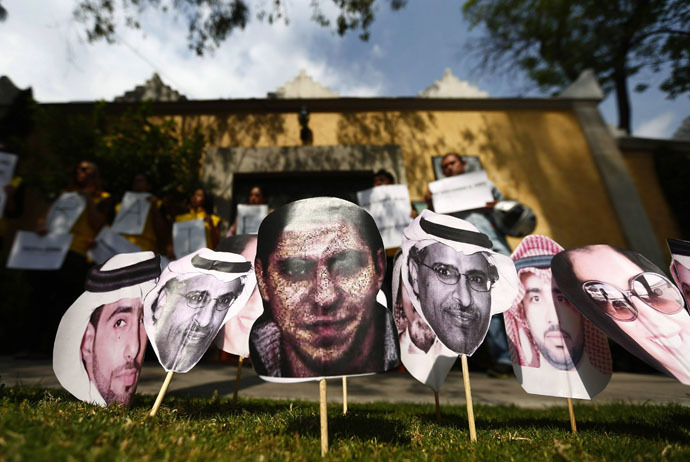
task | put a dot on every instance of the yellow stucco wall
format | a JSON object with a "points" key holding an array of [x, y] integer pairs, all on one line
{"points": [[643, 172], [538, 157]]}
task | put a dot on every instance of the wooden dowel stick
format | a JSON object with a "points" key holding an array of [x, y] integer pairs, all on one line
{"points": [[438, 408], [344, 395], [573, 425], [161, 394], [237, 380], [324, 418], [468, 398]]}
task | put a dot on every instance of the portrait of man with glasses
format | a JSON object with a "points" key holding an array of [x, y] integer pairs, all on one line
{"points": [[630, 300], [454, 279], [194, 297]]}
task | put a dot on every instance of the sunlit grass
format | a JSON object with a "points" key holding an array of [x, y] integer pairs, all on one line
{"points": [[37, 424]]}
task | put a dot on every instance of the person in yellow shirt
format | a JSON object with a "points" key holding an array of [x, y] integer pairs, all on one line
{"points": [[199, 209], [56, 290], [156, 233]]}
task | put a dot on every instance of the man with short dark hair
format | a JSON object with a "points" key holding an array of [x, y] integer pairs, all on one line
{"points": [[100, 343], [319, 266], [382, 178], [113, 348], [630, 300]]}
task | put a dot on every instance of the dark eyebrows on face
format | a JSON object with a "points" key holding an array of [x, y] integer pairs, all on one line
{"points": [[533, 290], [119, 310]]}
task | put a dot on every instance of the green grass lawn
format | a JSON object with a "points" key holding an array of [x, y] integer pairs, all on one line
{"points": [[37, 424]]}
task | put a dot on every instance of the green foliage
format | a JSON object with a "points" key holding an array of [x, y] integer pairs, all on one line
{"points": [[210, 22], [121, 145], [133, 143], [50, 425], [555, 40]]}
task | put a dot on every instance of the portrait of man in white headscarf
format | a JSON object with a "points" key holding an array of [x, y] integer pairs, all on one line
{"points": [[101, 341], [554, 349], [194, 298], [454, 279]]}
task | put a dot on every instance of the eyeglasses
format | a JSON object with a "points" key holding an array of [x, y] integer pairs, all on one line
{"points": [[197, 299], [653, 289], [478, 280]]}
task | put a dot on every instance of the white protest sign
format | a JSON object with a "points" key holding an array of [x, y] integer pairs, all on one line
{"points": [[7, 163], [131, 217], [109, 243], [390, 207], [249, 217], [31, 251], [64, 212], [188, 236], [461, 192]]}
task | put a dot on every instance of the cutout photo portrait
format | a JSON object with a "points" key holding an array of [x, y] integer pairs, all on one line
{"points": [[234, 337], [454, 279], [101, 340], [194, 297], [630, 300], [555, 350], [319, 265], [426, 359], [680, 266]]}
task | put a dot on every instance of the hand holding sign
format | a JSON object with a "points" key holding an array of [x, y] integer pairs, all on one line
{"points": [[249, 217], [461, 192], [390, 207], [188, 236], [7, 164], [64, 212], [31, 251], [133, 212]]}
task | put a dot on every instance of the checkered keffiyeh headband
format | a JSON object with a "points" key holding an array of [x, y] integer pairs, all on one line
{"points": [[528, 253]]}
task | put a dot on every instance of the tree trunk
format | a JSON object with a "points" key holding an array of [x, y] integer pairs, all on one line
{"points": [[622, 100]]}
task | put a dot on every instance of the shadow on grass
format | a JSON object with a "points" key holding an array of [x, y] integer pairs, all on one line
{"points": [[361, 427]]}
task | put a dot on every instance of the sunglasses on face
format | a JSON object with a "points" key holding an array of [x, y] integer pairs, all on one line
{"points": [[478, 280], [653, 289]]}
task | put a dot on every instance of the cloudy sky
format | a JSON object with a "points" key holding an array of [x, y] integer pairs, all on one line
{"points": [[43, 47]]}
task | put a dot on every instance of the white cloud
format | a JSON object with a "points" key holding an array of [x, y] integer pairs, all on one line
{"points": [[43, 47], [659, 126]]}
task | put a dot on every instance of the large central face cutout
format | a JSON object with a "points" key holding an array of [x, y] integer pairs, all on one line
{"points": [[320, 264]]}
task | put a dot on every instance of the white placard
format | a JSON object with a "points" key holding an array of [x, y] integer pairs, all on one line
{"points": [[461, 192], [390, 207], [64, 212], [7, 163], [188, 236], [249, 217], [31, 251], [109, 243], [131, 217], [3, 199]]}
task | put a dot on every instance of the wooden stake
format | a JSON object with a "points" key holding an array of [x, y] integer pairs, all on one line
{"points": [[573, 425], [438, 408], [344, 395], [468, 398], [324, 418], [161, 394], [237, 380]]}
